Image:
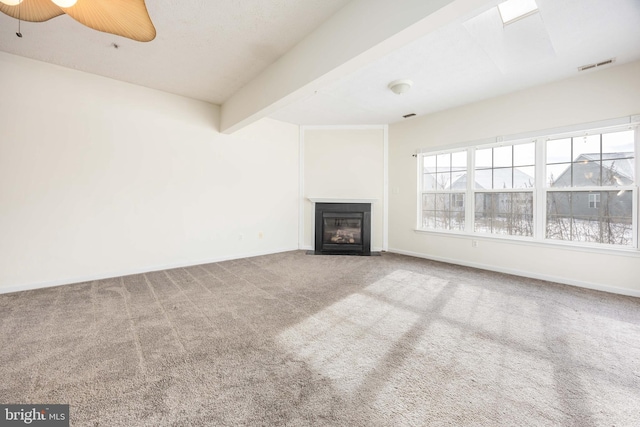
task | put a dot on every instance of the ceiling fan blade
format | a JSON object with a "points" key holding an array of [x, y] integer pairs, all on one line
{"points": [[32, 10], [126, 18]]}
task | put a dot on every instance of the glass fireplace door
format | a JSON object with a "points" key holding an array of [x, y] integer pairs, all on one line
{"points": [[342, 229]]}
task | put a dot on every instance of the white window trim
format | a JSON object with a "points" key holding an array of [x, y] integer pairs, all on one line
{"points": [[530, 242], [590, 188]]}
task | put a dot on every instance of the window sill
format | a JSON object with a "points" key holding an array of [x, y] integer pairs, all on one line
{"points": [[531, 242]]}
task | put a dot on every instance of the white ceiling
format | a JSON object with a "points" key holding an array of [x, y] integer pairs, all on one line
{"points": [[209, 49], [476, 58], [204, 49]]}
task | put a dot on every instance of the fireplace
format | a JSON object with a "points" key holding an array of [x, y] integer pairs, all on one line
{"points": [[343, 229]]}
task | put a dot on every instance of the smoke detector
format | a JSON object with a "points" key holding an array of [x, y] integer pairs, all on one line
{"points": [[400, 86]]}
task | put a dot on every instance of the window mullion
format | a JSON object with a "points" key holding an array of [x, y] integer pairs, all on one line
{"points": [[470, 196], [635, 213], [636, 210], [540, 194], [421, 189]]}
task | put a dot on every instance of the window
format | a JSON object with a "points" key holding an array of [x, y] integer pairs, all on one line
{"points": [[591, 160], [511, 166], [504, 213], [590, 188], [458, 200], [443, 190], [513, 10], [582, 191], [498, 170]]}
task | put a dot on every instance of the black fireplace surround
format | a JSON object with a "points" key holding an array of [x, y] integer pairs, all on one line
{"points": [[343, 229]]}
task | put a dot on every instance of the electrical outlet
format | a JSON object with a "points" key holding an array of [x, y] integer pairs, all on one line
{"points": [[474, 243], [240, 236], [260, 235]]}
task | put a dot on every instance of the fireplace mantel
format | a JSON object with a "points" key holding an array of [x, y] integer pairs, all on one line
{"points": [[340, 200]]}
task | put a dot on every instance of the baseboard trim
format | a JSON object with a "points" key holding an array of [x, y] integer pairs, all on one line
{"points": [[148, 269], [516, 272]]}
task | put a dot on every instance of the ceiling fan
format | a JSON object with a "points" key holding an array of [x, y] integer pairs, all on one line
{"points": [[126, 18]]}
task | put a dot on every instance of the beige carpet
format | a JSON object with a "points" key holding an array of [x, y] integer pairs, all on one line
{"points": [[291, 339]]}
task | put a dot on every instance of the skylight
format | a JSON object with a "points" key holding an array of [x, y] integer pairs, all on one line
{"points": [[512, 10]]}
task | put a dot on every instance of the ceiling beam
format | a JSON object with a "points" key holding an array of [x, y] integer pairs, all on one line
{"points": [[356, 35]]}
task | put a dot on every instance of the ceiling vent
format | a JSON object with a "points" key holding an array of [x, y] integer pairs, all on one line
{"points": [[608, 61], [598, 64]]}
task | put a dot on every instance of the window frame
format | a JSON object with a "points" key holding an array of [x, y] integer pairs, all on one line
{"points": [[540, 189]]}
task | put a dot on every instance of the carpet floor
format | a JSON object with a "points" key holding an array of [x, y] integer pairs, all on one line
{"points": [[298, 340]]}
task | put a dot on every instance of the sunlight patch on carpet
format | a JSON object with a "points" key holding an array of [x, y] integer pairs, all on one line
{"points": [[346, 341], [510, 317], [410, 289], [451, 364]]}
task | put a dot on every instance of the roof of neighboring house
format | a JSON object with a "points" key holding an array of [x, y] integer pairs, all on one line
{"points": [[623, 162]]}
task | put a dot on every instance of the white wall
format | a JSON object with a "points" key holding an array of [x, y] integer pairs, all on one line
{"points": [[344, 164], [594, 96], [101, 178]]}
